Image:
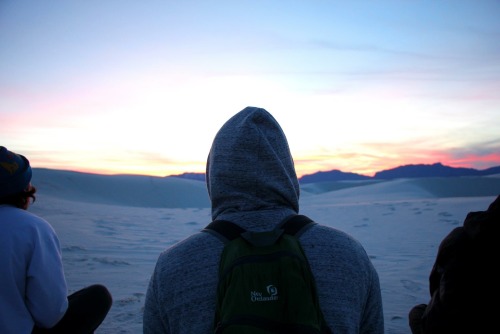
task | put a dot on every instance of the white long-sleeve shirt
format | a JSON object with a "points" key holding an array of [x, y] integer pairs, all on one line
{"points": [[33, 288]]}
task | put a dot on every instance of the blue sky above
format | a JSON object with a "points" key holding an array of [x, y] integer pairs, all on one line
{"points": [[141, 87]]}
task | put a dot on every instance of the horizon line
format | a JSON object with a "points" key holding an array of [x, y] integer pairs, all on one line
{"points": [[299, 177]]}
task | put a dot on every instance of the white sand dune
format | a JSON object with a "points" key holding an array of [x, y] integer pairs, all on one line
{"points": [[112, 229], [127, 190]]}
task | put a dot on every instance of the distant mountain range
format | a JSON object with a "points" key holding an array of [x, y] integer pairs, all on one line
{"points": [[191, 176], [406, 171]]}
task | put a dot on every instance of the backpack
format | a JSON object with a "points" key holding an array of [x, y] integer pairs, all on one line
{"points": [[265, 282]]}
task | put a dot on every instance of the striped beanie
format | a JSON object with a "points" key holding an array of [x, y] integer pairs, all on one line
{"points": [[15, 173]]}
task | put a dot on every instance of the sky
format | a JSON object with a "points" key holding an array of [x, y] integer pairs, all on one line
{"points": [[142, 87]]}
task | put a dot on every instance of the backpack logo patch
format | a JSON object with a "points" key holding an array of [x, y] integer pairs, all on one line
{"points": [[271, 295]]}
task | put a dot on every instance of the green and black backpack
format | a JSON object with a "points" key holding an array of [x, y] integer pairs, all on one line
{"points": [[265, 282]]}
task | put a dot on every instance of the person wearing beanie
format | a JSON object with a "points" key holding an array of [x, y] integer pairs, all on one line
{"points": [[251, 181], [33, 291]]}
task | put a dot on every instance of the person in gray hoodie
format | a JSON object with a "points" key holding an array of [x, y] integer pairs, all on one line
{"points": [[251, 181]]}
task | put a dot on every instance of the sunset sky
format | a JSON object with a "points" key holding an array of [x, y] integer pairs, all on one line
{"points": [[141, 87]]}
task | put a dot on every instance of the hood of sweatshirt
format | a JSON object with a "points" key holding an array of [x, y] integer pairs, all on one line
{"points": [[250, 172], [483, 225]]}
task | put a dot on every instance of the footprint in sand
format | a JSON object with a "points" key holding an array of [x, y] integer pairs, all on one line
{"points": [[135, 298], [411, 285]]}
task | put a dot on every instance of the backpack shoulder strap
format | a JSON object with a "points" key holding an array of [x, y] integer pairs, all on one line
{"points": [[296, 224], [224, 230]]}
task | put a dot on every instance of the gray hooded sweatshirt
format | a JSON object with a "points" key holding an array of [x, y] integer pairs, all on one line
{"points": [[251, 181]]}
